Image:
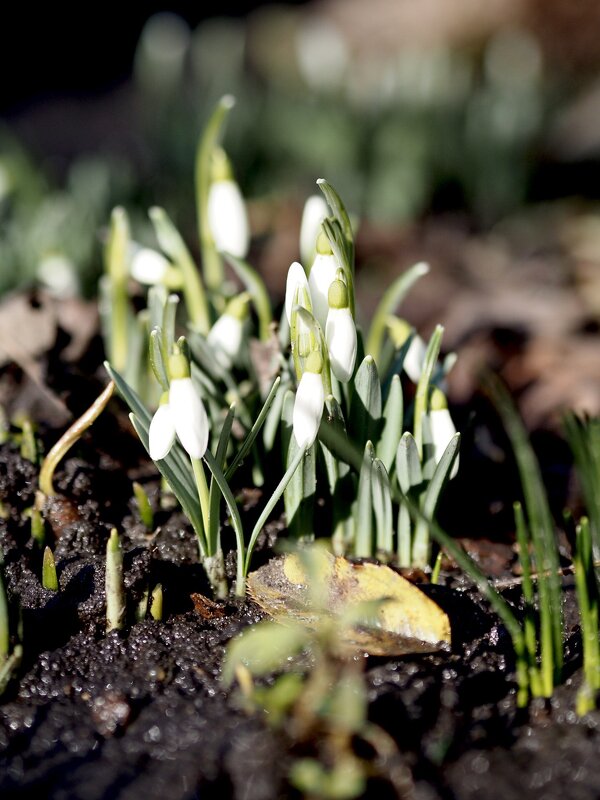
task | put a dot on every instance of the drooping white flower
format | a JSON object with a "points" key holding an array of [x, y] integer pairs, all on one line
{"points": [[189, 416], [322, 274], [296, 282], [58, 275], [227, 334], [414, 359], [180, 412], [227, 217], [308, 406], [340, 332], [161, 434], [441, 427], [149, 266], [315, 211]]}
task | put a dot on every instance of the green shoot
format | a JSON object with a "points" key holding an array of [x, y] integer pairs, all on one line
{"points": [[143, 505], [115, 589], [49, 577]]}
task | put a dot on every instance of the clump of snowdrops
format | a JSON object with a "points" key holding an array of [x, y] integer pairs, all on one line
{"points": [[361, 422]]}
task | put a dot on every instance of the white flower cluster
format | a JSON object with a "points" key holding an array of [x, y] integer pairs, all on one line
{"points": [[325, 294]]}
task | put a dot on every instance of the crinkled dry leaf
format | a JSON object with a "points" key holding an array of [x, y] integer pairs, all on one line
{"points": [[401, 619]]}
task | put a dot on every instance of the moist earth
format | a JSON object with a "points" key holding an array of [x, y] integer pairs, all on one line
{"points": [[142, 712]]}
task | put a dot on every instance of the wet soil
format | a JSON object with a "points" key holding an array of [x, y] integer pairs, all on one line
{"points": [[142, 712]]}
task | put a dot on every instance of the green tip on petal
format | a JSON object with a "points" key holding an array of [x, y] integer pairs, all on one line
{"points": [[237, 307], [178, 367], [220, 167], [323, 246], [337, 296], [314, 363], [437, 401]]}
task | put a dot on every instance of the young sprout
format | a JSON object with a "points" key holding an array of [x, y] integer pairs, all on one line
{"points": [[143, 504], [49, 577], [227, 216], [115, 590], [68, 439], [309, 403], [29, 449], [156, 603]]}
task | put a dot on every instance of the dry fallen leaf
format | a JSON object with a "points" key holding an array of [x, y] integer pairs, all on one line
{"points": [[404, 620]]}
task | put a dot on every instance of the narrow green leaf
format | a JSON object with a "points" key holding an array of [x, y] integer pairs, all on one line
{"points": [[543, 536], [258, 291], [236, 520], [279, 490], [393, 417], [421, 544], [254, 431], [184, 492], [173, 245], [408, 464], [214, 495], [365, 406], [337, 206], [157, 359], [388, 304], [364, 545], [422, 395], [382, 506]]}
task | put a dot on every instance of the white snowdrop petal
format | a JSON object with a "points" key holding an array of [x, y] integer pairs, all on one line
{"points": [[308, 409], [415, 358], [161, 434], [148, 266], [322, 275], [340, 333], [227, 218], [296, 279], [189, 416], [225, 339], [315, 211], [442, 430]]}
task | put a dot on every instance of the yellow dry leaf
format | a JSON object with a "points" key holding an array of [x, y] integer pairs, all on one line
{"points": [[390, 615]]}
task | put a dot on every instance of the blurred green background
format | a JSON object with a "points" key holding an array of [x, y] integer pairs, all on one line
{"points": [[411, 109]]}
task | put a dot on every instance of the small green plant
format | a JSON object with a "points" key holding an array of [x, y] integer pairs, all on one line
{"points": [[11, 652], [115, 588], [588, 598], [322, 708], [49, 577]]}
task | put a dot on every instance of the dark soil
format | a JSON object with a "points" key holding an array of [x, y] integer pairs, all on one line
{"points": [[142, 713]]}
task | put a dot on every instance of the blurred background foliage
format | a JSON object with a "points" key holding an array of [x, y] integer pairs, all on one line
{"points": [[409, 108]]}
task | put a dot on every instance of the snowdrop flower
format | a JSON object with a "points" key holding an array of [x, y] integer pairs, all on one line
{"points": [[322, 274], [414, 360], [227, 334], [340, 332], [310, 399], [57, 273], [441, 426], [181, 412], [149, 266], [227, 218], [296, 282], [315, 211]]}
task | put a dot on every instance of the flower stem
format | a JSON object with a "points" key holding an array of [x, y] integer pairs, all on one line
{"points": [[203, 497]]}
